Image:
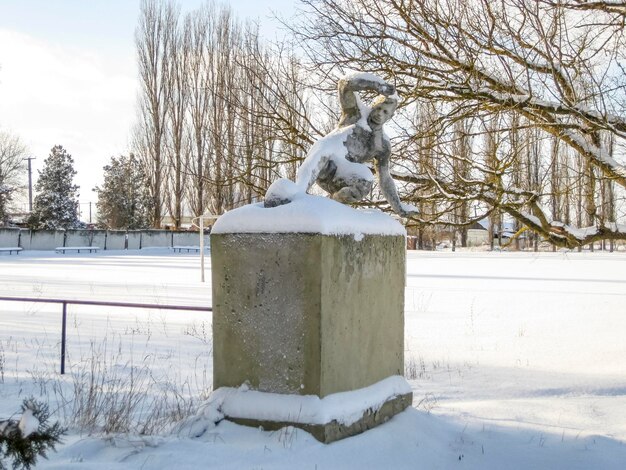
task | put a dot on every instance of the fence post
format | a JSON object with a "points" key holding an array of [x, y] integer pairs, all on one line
{"points": [[63, 330]]}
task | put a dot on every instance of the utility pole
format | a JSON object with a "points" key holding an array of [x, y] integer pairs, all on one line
{"points": [[30, 184]]}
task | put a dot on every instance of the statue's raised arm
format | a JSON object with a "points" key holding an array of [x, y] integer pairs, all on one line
{"points": [[336, 161], [349, 100]]}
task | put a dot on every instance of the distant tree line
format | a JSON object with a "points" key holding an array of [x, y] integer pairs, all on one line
{"points": [[510, 110]]}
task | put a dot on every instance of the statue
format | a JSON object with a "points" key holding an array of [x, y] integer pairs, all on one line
{"points": [[335, 161]]}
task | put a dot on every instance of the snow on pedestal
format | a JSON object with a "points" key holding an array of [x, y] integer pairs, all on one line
{"points": [[308, 299], [308, 214]]}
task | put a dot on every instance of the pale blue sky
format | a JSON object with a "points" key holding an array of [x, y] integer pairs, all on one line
{"points": [[108, 24], [68, 75]]}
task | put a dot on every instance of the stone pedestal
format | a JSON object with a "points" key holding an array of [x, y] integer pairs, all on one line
{"points": [[309, 314]]}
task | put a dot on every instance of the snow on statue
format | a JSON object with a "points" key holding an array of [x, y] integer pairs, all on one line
{"points": [[336, 161]]}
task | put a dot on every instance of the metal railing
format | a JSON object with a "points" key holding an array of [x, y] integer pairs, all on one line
{"points": [[65, 303]]}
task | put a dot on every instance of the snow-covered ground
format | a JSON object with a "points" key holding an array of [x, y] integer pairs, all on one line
{"points": [[517, 360]]}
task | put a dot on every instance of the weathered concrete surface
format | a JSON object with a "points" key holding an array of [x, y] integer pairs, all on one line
{"points": [[42, 239], [108, 240], [9, 237], [115, 240], [188, 239], [362, 315], [307, 313], [334, 431], [86, 238], [156, 238]]}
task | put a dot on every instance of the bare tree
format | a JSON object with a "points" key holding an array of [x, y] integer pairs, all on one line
{"points": [[257, 143], [12, 152], [278, 112], [542, 63]]}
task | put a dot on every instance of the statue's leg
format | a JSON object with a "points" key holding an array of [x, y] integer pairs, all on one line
{"points": [[326, 177], [345, 181], [327, 172], [354, 192], [282, 191]]}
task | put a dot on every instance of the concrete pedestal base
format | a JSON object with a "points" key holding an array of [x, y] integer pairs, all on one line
{"points": [[309, 314], [333, 430]]}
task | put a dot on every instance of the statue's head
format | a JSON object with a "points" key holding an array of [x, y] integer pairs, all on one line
{"points": [[383, 108]]}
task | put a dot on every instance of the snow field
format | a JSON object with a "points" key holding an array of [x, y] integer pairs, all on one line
{"points": [[531, 343], [148, 366], [516, 360]]}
